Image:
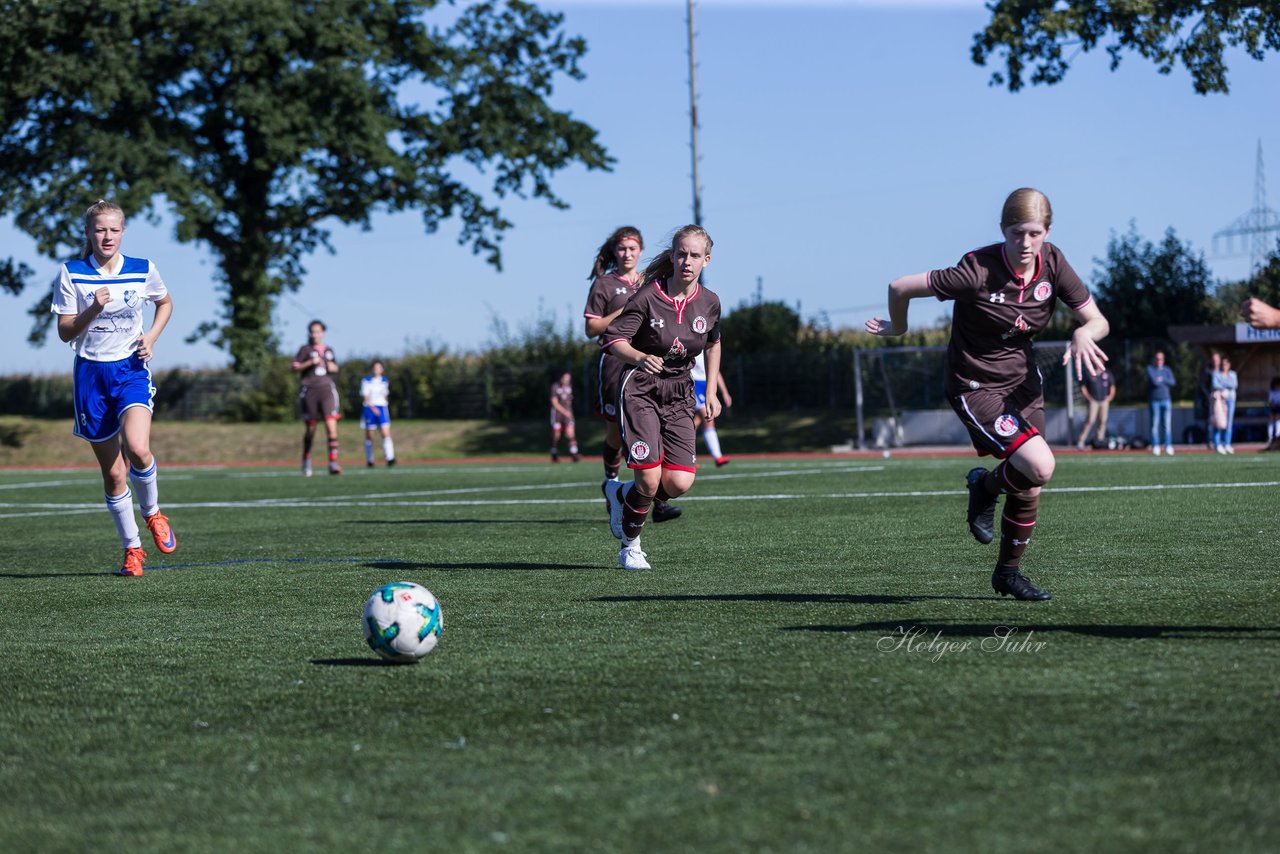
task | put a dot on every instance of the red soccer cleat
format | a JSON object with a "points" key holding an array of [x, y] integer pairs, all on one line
{"points": [[158, 523], [133, 559]]}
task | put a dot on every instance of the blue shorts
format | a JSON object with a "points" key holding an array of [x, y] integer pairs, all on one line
{"points": [[104, 390], [374, 416], [700, 393]]}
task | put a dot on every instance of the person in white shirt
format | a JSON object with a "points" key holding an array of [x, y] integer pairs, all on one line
{"points": [[99, 300], [376, 416], [700, 417]]}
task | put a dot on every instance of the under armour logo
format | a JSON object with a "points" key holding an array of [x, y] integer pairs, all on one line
{"points": [[657, 322], [997, 297], [622, 290], [1017, 542]]}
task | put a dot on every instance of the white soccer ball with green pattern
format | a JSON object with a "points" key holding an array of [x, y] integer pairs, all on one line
{"points": [[402, 621]]}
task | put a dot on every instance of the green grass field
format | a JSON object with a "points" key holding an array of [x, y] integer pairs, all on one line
{"points": [[815, 663]]}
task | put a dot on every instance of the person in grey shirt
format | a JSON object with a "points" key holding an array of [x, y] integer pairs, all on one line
{"points": [[1159, 380]]}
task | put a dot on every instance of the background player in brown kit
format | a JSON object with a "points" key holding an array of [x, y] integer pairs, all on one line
{"points": [[615, 279], [318, 397], [562, 417], [659, 332], [1004, 295]]}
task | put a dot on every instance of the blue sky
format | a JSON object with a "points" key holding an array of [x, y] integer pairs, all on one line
{"points": [[843, 143]]}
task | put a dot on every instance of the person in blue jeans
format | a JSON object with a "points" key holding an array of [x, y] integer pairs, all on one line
{"points": [[1159, 380], [1225, 383]]}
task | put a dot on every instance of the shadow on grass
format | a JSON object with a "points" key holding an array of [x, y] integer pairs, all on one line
{"points": [[1121, 632], [501, 567], [106, 573], [809, 598], [358, 662], [524, 521]]}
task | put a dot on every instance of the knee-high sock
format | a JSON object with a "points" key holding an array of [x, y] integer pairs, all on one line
{"points": [[635, 507], [307, 439], [612, 461], [333, 450], [145, 487], [368, 451], [1007, 479], [661, 497], [121, 509], [1016, 524], [712, 438], [388, 449]]}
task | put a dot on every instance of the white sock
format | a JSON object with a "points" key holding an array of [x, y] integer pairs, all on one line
{"points": [[121, 509], [573, 447], [626, 544], [368, 451], [388, 449], [713, 442], [144, 484]]}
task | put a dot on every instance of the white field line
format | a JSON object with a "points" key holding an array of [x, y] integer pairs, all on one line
{"points": [[65, 509]]}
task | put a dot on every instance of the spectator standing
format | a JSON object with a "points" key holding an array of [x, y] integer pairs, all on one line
{"points": [[1099, 390], [1204, 404], [1160, 381], [1225, 385]]}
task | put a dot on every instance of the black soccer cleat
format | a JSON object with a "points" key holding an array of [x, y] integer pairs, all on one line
{"points": [[982, 507], [391, 462], [662, 511], [1008, 581]]}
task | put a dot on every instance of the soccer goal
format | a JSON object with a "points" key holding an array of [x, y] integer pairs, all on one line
{"points": [[899, 399]]}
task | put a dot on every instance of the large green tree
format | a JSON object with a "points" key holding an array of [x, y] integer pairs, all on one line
{"points": [[1143, 288], [1032, 35], [257, 125]]}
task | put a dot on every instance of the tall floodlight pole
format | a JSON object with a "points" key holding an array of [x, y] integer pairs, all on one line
{"points": [[693, 119]]}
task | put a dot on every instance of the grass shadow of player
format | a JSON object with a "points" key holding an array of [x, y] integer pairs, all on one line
{"points": [[795, 598], [1117, 632], [522, 521], [499, 566]]}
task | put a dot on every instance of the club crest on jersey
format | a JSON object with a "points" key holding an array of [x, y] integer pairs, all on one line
{"points": [[699, 324], [1019, 326], [1006, 425], [129, 298], [677, 353], [657, 322], [1042, 291], [639, 451]]}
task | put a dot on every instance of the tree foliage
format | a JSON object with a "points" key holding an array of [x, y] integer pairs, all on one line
{"points": [[1143, 288], [258, 124], [761, 327], [1032, 36]]}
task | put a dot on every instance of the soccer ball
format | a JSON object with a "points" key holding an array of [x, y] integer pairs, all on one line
{"points": [[402, 621]]}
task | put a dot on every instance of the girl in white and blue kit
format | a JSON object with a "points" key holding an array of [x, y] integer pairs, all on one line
{"points": [[99, 301]]}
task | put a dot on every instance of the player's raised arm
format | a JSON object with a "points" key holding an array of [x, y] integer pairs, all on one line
{"points": [[901, 291]]}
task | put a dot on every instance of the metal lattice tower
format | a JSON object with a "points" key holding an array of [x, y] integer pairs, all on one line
{"points": [[1255, 226], [693, 119]]}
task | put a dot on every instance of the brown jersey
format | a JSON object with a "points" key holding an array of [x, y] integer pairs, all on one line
{"points": [[676, 330], [563, 395], [608, 293], [997, 314], [316, 375]]}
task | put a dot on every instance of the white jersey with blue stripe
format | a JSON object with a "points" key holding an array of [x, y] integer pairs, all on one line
{"points": [[699, 369], [113, 334], [375, 390]]}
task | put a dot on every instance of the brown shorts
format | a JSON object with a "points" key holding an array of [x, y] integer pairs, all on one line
{"points": [[1000, 422], [608, 379], [656, 421], [318, 402]]}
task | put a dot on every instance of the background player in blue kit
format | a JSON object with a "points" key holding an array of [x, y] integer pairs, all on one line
{"points": [[99, 301], [375, 392], [703, 421], [1004, 294]]}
